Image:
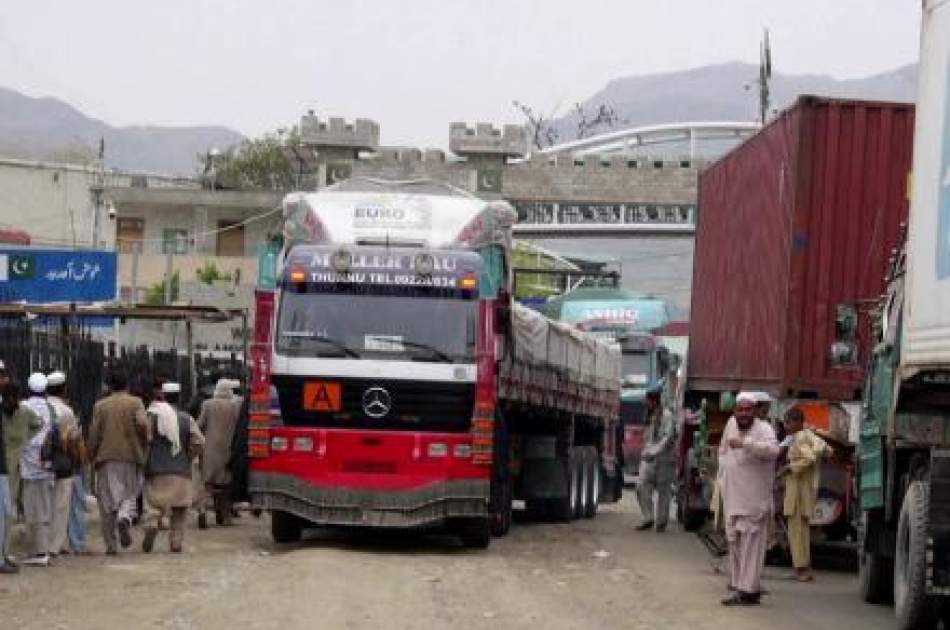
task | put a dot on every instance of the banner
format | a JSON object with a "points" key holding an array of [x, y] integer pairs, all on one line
{"points": [[48, 275]]}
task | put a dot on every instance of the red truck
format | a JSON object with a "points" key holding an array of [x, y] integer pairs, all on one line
{"points": [[413, 391], [795, 229]]}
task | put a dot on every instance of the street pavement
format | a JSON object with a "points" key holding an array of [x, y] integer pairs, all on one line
{"points": [[597, 573]]}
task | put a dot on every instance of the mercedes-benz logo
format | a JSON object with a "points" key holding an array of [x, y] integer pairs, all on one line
{"points": [[376, 402]]}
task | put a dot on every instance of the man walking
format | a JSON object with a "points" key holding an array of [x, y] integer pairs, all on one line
{"points": [[805, 451], [174, 441], [67, 456], [19, 424], [657, 464], [219, 416], [117, 450], [747, 456], [37, 475]]}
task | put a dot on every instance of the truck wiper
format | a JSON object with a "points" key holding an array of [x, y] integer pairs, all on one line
{"points": [[438, 354], [340, 347]]}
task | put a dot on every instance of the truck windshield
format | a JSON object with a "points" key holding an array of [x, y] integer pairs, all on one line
{"points": [[400, 326], [637, 367]]}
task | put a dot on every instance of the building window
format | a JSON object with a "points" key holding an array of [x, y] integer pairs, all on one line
{"points": [[174, 241], [129, 234]]}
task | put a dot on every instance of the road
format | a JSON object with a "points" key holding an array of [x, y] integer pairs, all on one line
{"points": [[596, 573]]}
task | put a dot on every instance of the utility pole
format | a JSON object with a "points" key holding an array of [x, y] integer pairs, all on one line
{"points": [[96, 189], [133, 300], [765, 77]]}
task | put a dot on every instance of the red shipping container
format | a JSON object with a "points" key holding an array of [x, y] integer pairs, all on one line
{"points": [[797, 220]]}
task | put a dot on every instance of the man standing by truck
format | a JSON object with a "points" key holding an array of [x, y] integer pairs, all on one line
{"points": [[805, 450], [657, 463], [747, 456]]}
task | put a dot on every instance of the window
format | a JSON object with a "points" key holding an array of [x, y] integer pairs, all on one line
{"points": [[129, 233], [174, 241]]}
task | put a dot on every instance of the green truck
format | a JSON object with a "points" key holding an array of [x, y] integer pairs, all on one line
{"points": [[904, 475]]}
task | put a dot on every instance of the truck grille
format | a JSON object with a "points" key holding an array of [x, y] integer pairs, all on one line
{"points": [[414, 405]]}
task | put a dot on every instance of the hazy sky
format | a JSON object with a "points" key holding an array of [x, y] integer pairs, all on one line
{"points": [[414, 66]]}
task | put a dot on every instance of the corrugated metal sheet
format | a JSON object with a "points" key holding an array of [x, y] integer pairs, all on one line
{"points": [[796, 220]]}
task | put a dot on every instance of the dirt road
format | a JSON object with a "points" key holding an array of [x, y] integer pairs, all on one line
{"points": [[541, 576]]}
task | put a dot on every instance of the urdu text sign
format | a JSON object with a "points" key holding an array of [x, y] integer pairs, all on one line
{"points": [[47, 275]]}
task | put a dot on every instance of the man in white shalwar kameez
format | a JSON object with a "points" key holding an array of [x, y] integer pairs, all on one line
{"points": [[747, 455]]}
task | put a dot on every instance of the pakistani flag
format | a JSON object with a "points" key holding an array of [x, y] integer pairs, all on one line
{"points": [[16, 267]]}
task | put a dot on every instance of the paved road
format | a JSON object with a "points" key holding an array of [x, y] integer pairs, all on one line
{"points": [[549, 576]]}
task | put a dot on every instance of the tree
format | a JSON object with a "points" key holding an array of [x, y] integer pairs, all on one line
{"points": [[604, 116], [155, 293], [542, 133], [255, 163]]}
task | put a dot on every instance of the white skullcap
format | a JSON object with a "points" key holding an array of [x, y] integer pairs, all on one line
{"points": [[37, 382], [746, 397], [3, 366], [171, 388], [55, 378], [762, 397]]}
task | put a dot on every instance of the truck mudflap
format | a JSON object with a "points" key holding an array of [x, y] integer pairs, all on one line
{"points": [[938, 542], [431, 504]]}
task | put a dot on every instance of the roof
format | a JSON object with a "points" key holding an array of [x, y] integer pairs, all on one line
{"points": [[199, 314]]}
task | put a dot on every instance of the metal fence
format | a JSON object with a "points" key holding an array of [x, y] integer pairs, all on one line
{"points": [[27, 347]]}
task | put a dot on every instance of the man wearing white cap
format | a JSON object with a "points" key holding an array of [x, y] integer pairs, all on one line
{"points": [[747, 456], [66, 458], [37, 476], [174, 440]]}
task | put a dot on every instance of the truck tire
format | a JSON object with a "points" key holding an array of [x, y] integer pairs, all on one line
{"points": [[564, 508], [593, 482], [583, 482], [475, 532], [285, 527], [875, 572], [912, 606]]}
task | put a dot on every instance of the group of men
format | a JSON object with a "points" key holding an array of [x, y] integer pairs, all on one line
{"points": [[750, 460], [136, 448]]}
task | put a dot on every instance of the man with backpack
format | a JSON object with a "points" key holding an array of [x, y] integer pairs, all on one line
{"points": [[37, 475], [67, 452]]}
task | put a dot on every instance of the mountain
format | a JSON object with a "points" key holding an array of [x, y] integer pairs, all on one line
{"points": [[726, 92], [48, 128]]}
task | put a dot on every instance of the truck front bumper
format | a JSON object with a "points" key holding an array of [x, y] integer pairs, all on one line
{"points": [[429, 505]]}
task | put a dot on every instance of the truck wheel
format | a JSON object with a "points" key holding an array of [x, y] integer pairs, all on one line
{"points": [[285, 527], [583, 482], [912, 607], [564, 508], [501, 507], [875, 572], [475, 532], [593, 482]]}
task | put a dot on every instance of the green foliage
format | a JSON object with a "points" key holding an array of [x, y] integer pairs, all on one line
{"points": [[155, 293], [209, 273], [255, 163]]}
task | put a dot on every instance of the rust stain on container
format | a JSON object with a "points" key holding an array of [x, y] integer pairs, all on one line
{"points": [[800, 218]]}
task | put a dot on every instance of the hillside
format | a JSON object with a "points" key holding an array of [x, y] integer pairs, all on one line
{"points": [[47, 128], [726, 92]]}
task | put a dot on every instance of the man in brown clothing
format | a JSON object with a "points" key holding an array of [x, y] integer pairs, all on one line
{"points": [[117, 450]]}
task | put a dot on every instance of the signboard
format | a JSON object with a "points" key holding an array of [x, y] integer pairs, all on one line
{"points": [[49, 275], [639, 315]]}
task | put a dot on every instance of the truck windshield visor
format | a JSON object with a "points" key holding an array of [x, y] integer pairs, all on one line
{"points": [[636, 369]]}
